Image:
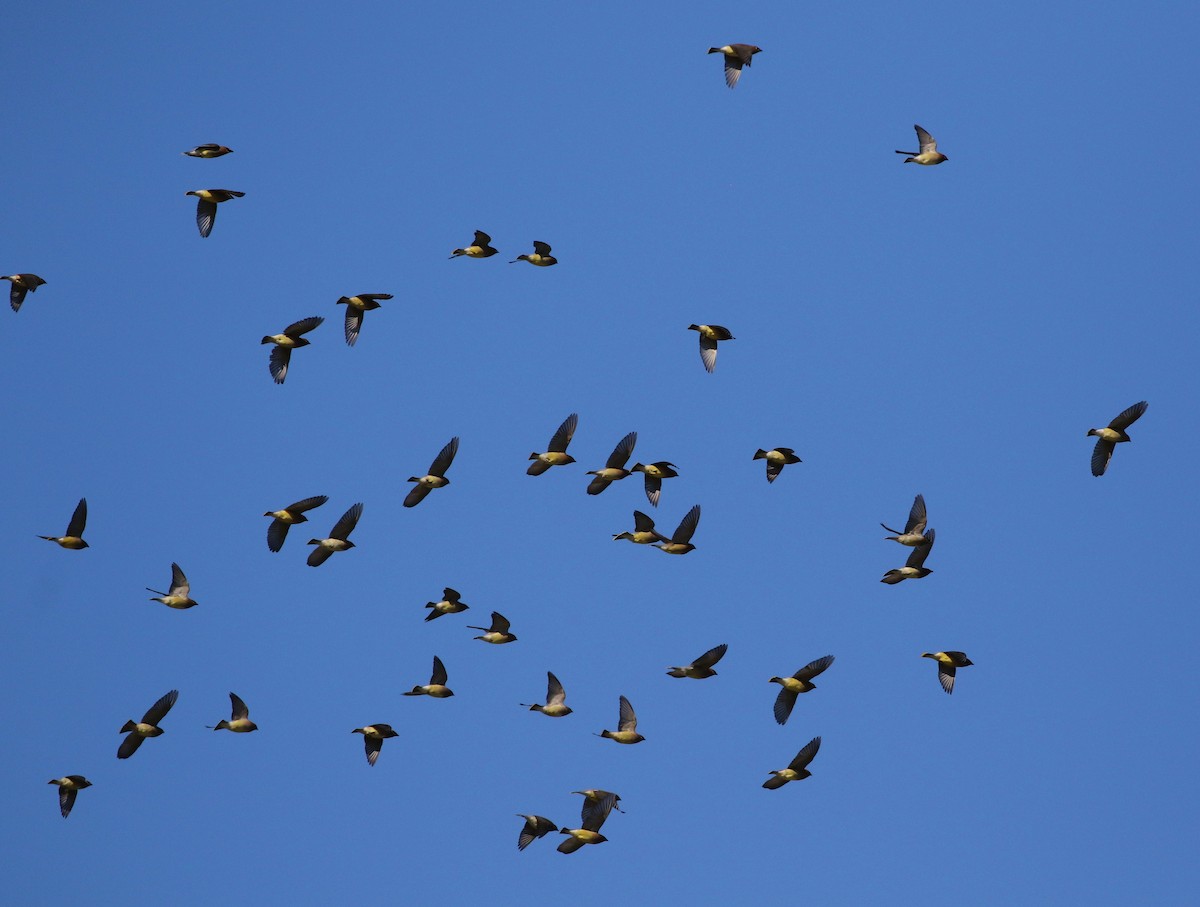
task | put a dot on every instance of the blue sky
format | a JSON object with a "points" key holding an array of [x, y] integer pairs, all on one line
{"points": [[952, 331]]}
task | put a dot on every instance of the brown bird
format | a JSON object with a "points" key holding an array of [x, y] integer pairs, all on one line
{"points": [[284, 519], [797, 770], [654, 474], [373, 737], [497, 634], [557, 454], [436, 477], [68, 787], [437, 683], [289, 339], [209, 150], [643, 531], [355, 307], [73, 540], [21, 284], [709, 335], [534, 828], [1108, 438], [138, 731], [702, 666], [800, 682], [776, 460], [947, 662], [180, 595], [206, 207], [481, 248], [626, 731], [928, 155], [239, 721], [450, 604], [614, 469], [540, 256], [339, 537], [681, 541], [736, 56], [556, 699]]}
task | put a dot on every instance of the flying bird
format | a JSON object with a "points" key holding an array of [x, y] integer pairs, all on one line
{"points": [[540, 256], [797, 769], [450, 604], [355, 307], [497, 634], [626, 731], [928, 155], [595, 810], [556, 699], [681, 541], [437, 683], [702, 666], [206, 207], [643, 531], [289, 339], [557, 454], [239, 721], [800, 682], [21, 284], [709, 335], [1108, 438], [285, 518], [147, 727], [68, 787], [736, 56], [209, 150], [654, 473], [914, 530], [776, 460], [436, 477], [914, 567], [597, 804], [947, 663], [481, 248], [614, 469], [534, 828], [339, 537], [373, 737], [73, 540], [180, 594]]}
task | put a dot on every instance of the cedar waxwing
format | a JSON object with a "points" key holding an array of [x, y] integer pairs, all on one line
{"points": [[614, 469], [594, 814], [556, 699], [557, 454], [73, 540], [437, 683], [497, 634], [283, 519], [21, 284], [209, 150], [681, 541], [373, 737], [928, 155], [540, 256], [914, 530], [736, 56], [709, 335], [913, 568], [702, 666], [627, 726], [180, 596], [947, 662], [797, 770], [643, 531], [481, 248], [534, 828], [436, 477], [68, 787], [776, 460], [338, 537], [206, 207], [147, 727], [355, 307], [654, 474], [597, 804], [450, 604], [800, 682], [1109, 438], [239, 721], [291, 338]]}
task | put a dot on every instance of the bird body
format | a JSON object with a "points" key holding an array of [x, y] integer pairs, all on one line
{"points": [[450, 604], [914, 567], [21, 284], [206, 206], [540, 256], [702, 666], [928, 155], [736, 56], [914, 530], [480, 248], [437, 683], [556, 699], [626, 728], [180, 595], [800, 682], [239, 720], [797, 770], [948, 663], [1108, 438], [373, 737], [681, 541], [556, 454], [338, 537], [287, 517], [289, 339], [710, 334], [73, 539], [68, 787], [209, 150], [436, 477], [776, 460], [138, 731], [355, 307]]}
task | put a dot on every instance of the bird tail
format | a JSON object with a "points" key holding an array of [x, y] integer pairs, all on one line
{"points": [[715, 50], [127, 727]]}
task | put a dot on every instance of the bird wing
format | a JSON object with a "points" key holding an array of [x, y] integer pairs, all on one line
{"points": [[805, 755], [451, 595], [711, 657], [354, 319], [555, 694], [708, 352], [416, 495], [541, 248], [481, 238], [946, 676], [439, 676], [925, 140], [562, 437], [628, 720], [653, 490], [598, 484], [318, 556], [280, 357], [596, 811], [733, 69], [784, 703], [129, 745], [1128, 417], [687, 526], [621, 453], [570, 844], [374, 297], [1101, 454], [303, 326], [444, 458], [206, 213], [372, 745], [158, 711], [343, 527], [239, 708], [66, 799], [179, 582], [78, 519], [500, 623], [916, 516], [642, 523], [917, 558], [307, 504], [813, 668], [773, 470], [16, 295]]}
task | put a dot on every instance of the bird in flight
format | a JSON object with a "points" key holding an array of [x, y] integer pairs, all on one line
{"points": [[626, 731], [556, 454], [285, 518], [436, 478], [209, 150], [206, 206], [180, 594], [797, 769], [373, 737], [497, 634], [556, 699], [451, 603], [776, 460], [928, 155], [534, 828], [355, 307], [68, 787], [290, 338], [73, 539], [914, 567], [437, 683], [480, 248], [239, 720], [21, 284], [1108, 438], [736, 56], [681, 541], [339, 537], [540, 256], [137, 731], [914, 530], [702, 666], [947, 662], [614, 469], [800, 682], [709, 335]]}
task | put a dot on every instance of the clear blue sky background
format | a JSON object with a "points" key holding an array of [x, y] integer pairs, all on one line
{"points": [[952, 331]]}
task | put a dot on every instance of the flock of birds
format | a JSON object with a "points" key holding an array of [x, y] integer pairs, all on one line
{"points": [[597, 804]]}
